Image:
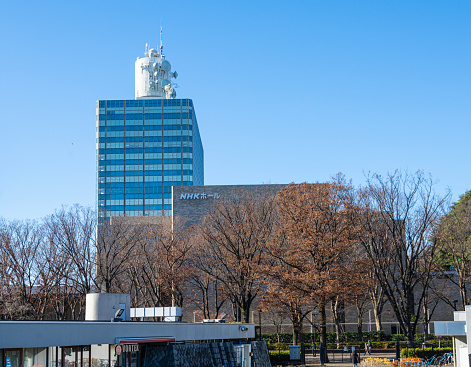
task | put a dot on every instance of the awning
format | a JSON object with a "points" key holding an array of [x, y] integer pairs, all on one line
{"points": [[142, 340]]}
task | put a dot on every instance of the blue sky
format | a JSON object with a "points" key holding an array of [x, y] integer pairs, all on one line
{"points": [[284, 91]]}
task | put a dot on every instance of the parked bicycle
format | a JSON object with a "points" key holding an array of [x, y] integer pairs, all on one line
{"points": [[447, 358], [436, 360], [431, 361]]}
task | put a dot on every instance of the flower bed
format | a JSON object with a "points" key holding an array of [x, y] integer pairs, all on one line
{"points": [[375, 362]]}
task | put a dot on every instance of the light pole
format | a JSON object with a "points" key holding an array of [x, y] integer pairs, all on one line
{"points": [[311, 323], [260, 325], [369, 320]]}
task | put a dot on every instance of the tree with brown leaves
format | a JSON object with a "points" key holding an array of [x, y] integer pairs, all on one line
{"points": [[320, 222]]}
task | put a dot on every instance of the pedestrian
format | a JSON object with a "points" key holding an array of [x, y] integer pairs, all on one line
{"points": [[369, 347], [355, 358], [313, 349], [366, 348]]}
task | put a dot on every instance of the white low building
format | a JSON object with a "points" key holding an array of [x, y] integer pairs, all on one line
{"points": [[108, 338], [461, 338]]}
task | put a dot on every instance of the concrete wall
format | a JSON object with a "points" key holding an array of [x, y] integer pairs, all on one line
{"points": [[191, 203], [35, 334], [103, 306]]}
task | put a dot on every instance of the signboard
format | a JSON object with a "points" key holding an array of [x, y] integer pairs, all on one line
{"points": [[199, 196], [128, 348], [8, 362], [294, 352]]}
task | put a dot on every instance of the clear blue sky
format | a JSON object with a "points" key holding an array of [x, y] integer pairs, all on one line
{"points": [[284, 90]]}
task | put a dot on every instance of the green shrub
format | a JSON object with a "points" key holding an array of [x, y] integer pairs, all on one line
{"points": [[398, 337], [379, 340], [275, 356], [424, 352]]}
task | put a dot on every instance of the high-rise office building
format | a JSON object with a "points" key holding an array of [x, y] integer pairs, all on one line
{"points": [[146, 145]]}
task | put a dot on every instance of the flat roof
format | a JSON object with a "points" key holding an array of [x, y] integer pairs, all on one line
{"points": [[36, 334]]}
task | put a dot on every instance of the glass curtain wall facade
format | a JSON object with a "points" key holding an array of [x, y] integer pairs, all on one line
{"points": [[144, 147]]}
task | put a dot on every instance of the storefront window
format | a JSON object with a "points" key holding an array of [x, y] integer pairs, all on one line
{"points": [[85, 356], [60, 357], [52, 357], [13, 358], [69, 357], [34, 357], [134, 359], [113, 356], [100, 355]]}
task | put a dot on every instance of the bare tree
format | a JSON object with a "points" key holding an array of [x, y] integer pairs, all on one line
{"points": [[234, 238], [206, 294], [72, 230], [377, 296], [401, 212], [115, 249], [20, 243]]}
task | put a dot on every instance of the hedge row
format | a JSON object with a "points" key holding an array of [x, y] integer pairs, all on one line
{"points": [[275, 356], [352, 338], [424, 352], [283, 355], [344, 337]]}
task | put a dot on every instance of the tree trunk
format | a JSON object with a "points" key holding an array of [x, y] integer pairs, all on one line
{"points": [[377, 315], [298, 335], [463, 294], [410, 329], [359, 324], [426, 321], [323, 325]]}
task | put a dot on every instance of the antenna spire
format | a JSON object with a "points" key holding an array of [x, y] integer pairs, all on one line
{"points": [[161, 46]]}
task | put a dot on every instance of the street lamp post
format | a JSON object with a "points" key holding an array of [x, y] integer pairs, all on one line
{"points": [[311, 323]]}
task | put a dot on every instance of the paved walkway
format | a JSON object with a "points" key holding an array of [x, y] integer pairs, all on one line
{"points": [[336, 359]]}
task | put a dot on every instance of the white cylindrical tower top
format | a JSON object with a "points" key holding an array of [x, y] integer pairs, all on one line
{"points": [[153, 75]]}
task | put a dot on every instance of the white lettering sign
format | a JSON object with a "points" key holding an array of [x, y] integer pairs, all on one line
{"points": [[128, 348], [199, 196]]}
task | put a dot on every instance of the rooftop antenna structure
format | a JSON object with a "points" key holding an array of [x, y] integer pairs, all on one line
{"points": [[153, 74], [161, 46]]}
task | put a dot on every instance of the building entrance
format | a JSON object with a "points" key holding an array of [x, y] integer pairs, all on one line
{"points": [[128, 355], [12, 357]]}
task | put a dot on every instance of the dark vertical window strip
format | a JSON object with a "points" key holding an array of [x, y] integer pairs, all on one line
{"points": [[163, 155], [106, 139], [125, 183], [143, 160], [181, 140]]}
